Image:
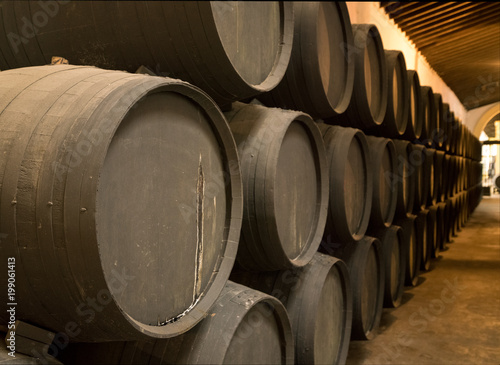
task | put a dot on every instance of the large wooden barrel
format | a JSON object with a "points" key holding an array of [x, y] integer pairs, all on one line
{"points": [[111, 183], [244, 326], [318, 299], [285, 184], [394, 252], [409, 227], [415, 108], [232, 50], [423, 238], [351, 186], [439, 132], [398, 98], [406, 178], [320, 77], [429, 110], [365, 263], [369, 98], [383, 159], [421, 181]]}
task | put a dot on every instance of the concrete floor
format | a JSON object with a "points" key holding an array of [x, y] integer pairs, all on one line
{"points": [[453, 315]]}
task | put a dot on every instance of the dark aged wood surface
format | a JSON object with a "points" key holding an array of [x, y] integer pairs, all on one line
{"points": [[365, 265], [232, 50], [318, 299], [119, 188], [243, 327], [285, 181], [320, 78], [351, 189], [383, 157], [396, 115]]}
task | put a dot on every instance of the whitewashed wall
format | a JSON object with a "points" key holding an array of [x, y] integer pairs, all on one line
{"points": [[394, 38]]}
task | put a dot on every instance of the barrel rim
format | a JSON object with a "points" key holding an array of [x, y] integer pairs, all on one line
{"points": [[337, 154], [309, 54], [359, 101], [380, 144], [396, 123], [277, 121], [416, 125], [316, 233], [234, 193], [312, 274], [281, 61], [358, 330]]}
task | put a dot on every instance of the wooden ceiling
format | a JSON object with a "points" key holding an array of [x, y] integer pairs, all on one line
{"points": [[461, 42]]}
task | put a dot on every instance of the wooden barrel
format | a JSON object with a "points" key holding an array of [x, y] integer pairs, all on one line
{"points": [[430, 173], [457, 218], [439, 132], [394, 252], [439, 172], [465, 209], [351, 186], [447, 127], [445, 178], [285, 184], [432, 230], [461, 141], [448, 221], [320, 310], [454, 135], [429, 111], [424, 242], [232, 50], [415, 108], [453, 217], [398, 98], [456, 174], [441, 225], [406, 178], [320, 78], [365, 263], [318, 299], [409, 227], [244, 326], [369, 98], [383, 159], [421, 181], [110, 187], [451, 176]]}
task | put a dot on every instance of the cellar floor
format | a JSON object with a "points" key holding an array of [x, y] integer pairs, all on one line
{"points": [[453, 315]]}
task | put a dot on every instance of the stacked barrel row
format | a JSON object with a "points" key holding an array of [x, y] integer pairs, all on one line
{"points": [[128, 201]]}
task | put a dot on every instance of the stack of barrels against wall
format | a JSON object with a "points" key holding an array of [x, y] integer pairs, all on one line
{"points": [[272, 182]]}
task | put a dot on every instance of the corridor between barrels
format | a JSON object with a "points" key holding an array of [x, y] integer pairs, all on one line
{"points": [[453, 315]]}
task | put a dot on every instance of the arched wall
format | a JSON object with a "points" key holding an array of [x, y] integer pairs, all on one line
{"points": [[479, 117]]}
